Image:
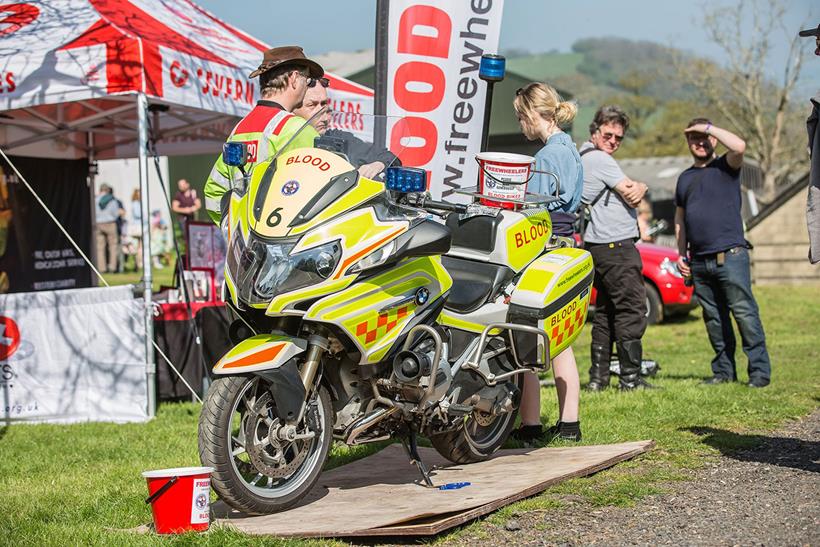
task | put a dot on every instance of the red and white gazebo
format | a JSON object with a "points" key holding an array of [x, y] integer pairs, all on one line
{"points": [[98, 79], [71, 72]]}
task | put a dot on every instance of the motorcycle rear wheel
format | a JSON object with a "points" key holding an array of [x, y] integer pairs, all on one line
{"points": [[477, 437], [235, 417]]}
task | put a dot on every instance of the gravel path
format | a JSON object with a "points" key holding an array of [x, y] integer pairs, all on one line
{"points": [[769, 495]]}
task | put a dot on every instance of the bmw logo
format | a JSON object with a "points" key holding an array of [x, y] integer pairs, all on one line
{"points": [[290, 187], [422, 296]]}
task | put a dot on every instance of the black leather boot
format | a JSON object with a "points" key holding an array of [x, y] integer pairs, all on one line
{"points": [[630, 353], [599, 371]]}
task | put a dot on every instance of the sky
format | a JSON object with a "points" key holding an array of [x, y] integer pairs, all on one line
{"points": [[535, 25]]}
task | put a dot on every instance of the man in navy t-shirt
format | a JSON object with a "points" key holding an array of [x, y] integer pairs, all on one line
{"points": [[709, 230]]}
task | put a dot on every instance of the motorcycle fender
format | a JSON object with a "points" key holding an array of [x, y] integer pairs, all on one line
{"points": [[287, 390], [259, 353]]}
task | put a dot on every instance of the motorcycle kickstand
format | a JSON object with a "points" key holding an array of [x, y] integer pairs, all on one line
{"points": [[411, 447]]}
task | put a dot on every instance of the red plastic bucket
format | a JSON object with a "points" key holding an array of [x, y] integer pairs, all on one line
{"points": [[180, 499], [503, 175]]}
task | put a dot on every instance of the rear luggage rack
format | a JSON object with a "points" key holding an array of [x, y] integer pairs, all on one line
{"points": [[529, 199]]}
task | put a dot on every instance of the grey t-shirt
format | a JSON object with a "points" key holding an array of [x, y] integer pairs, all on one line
{"points": [[611, 219]]}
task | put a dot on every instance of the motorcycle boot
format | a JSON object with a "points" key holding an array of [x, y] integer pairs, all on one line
{"points": [[630, 353], [599, 370]]}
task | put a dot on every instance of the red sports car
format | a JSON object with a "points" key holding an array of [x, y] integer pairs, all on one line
{"points": [[666, 294]]}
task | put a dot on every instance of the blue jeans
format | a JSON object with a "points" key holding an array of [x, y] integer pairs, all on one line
{"points": [[728, 288]]}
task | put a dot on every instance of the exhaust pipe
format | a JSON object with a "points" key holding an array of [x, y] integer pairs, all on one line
{"points": [[366, 422]]}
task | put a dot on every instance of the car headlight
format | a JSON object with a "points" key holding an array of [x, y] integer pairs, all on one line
{"points": [[376, 258], [671, 268]]}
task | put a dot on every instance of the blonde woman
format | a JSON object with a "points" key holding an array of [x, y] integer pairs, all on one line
{"points": [[541, 113]]}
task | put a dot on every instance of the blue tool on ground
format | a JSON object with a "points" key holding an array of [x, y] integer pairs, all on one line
{"points": [[453, 485]]}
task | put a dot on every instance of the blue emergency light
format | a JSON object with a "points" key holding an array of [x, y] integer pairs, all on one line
{"points": [[492, 67], [235, 154], [406, 179]]}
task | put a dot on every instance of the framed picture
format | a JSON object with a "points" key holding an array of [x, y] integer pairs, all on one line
{"points": [[200, 246]]}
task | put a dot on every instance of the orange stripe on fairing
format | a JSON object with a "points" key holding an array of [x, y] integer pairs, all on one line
{"points": [[257, 358], [363, 252]]}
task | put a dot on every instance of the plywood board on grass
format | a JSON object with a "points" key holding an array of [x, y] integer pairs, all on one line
{"points": [[381, 495]]}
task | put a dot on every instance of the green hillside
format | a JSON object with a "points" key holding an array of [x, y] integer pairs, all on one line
{"points": [[638, 76], [543, 65]]}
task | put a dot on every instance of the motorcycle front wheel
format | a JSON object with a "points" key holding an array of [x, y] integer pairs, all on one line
{"points": [[256, 471]]}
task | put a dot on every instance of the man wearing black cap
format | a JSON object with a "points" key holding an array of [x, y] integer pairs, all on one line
{"points": [[284, 77], [813, 206]]}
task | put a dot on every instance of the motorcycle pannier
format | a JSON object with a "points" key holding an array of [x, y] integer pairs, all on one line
{"points": [[552, 294]]}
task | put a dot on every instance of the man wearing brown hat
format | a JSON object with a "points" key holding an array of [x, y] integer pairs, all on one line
{"points": [[284, 77], [813, 205]]}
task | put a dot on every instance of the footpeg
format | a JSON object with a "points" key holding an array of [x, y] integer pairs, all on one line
{"points": [[456, 409]]}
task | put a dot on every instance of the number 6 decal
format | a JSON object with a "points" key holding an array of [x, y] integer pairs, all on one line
{"points": [[274, 218]]}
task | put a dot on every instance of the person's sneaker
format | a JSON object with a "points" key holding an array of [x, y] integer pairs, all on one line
{"points": [[715, 380], [528, 433], [564, 431], [758, 382]]}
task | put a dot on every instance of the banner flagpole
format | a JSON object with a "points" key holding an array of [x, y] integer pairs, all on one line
{"points": [[380, 87]]}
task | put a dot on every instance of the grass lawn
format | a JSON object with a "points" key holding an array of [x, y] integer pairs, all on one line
{"points": [[159, 277], [81, 484]]}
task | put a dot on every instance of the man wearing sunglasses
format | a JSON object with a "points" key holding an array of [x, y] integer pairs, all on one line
{"points": [[709, 230], [285, 75], [370, 160], [611, 199]]}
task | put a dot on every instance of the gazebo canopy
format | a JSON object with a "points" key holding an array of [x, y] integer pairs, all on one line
{"points": [[70, 71]]}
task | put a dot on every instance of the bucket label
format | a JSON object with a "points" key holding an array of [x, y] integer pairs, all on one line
{"points": [[200, 501], [495, 176]]}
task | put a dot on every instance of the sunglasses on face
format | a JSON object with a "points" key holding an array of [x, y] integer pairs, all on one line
{"points": [[610, 136], [312, 82], [696, 137]]}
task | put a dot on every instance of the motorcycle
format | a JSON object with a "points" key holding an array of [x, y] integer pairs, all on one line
{"points": [[368, 311]]}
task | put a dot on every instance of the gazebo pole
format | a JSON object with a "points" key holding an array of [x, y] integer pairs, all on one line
{"points": [[150, 365]]}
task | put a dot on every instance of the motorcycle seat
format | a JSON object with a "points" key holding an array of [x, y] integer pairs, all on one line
{"points": [[474, 283]]}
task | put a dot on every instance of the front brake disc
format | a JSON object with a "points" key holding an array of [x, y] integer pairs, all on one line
{"points": [[270, 455]]}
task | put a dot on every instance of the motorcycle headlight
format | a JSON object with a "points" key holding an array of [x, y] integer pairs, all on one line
{"points": [[263, 270], [671, 268]]}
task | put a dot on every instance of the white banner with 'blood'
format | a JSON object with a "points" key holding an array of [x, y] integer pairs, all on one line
{"points": [[432, 80]]}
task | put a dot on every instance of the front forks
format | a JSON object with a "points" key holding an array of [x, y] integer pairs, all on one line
{"points": [[317, 346]]}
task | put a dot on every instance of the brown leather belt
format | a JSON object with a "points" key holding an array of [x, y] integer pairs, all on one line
{"points": [[720, 257]]}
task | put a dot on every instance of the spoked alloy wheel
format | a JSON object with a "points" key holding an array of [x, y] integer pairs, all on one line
{"points": [[261, 465]]}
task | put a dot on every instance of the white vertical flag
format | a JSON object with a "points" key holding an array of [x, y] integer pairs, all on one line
{"points": [[432, 82]]}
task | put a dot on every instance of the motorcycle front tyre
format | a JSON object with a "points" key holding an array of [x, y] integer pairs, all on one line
{"points": [[215, 450]]}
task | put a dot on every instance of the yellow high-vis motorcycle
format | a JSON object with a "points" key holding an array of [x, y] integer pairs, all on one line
{"points": [[367, 311]]}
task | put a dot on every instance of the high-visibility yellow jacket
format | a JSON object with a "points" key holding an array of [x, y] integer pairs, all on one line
{"points": [[266, 129]]}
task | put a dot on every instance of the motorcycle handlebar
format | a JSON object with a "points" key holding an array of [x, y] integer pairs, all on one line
{"points": [[444, 206]]}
